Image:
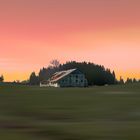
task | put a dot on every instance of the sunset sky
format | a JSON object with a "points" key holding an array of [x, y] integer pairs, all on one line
{"points": [[33, 32]]}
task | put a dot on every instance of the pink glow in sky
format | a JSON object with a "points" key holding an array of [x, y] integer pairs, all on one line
{"points": [[33, 32]]}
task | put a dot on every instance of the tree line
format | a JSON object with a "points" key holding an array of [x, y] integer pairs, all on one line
{"points": [[95, 74], [128, 81]]}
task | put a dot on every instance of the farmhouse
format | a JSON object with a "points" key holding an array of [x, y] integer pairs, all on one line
{"points": [[68, 78]]}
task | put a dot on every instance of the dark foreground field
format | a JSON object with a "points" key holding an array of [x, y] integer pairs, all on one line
{"points": [[98, 113]]}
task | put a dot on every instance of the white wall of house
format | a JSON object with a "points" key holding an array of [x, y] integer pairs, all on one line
{"points": [[50, 85]]}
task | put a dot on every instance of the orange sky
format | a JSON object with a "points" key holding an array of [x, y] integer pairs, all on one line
{"points": [[33, 32]]}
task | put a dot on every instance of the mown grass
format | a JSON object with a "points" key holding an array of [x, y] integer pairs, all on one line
{"points": [[96, 113]]}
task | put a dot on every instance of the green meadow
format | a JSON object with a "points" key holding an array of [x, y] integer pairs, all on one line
{"points": [[96, 113]]}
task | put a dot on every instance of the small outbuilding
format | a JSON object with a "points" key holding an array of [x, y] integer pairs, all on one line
{"points": [[67, 78]]}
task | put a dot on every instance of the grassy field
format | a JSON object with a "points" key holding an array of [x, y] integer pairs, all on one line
{"points": [[98, 113]]}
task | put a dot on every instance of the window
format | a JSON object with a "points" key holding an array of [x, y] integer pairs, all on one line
{"points": [[81, 81]]}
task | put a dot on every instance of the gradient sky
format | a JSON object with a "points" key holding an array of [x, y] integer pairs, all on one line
{"points": [[33, 32]]}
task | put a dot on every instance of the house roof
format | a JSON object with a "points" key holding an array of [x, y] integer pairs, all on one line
{"points": [[61, 74]]}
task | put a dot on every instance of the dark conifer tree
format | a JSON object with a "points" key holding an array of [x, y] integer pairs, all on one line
{"points": [[121, 81], [1, 78], [34, 80], [134, 80]]}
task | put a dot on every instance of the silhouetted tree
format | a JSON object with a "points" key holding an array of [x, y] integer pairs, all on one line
{"points": [[129, 81], [43, 74], [134, 80], [121, 81], [54, 63], [34, 80], [114, 77], [1, 78]]}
